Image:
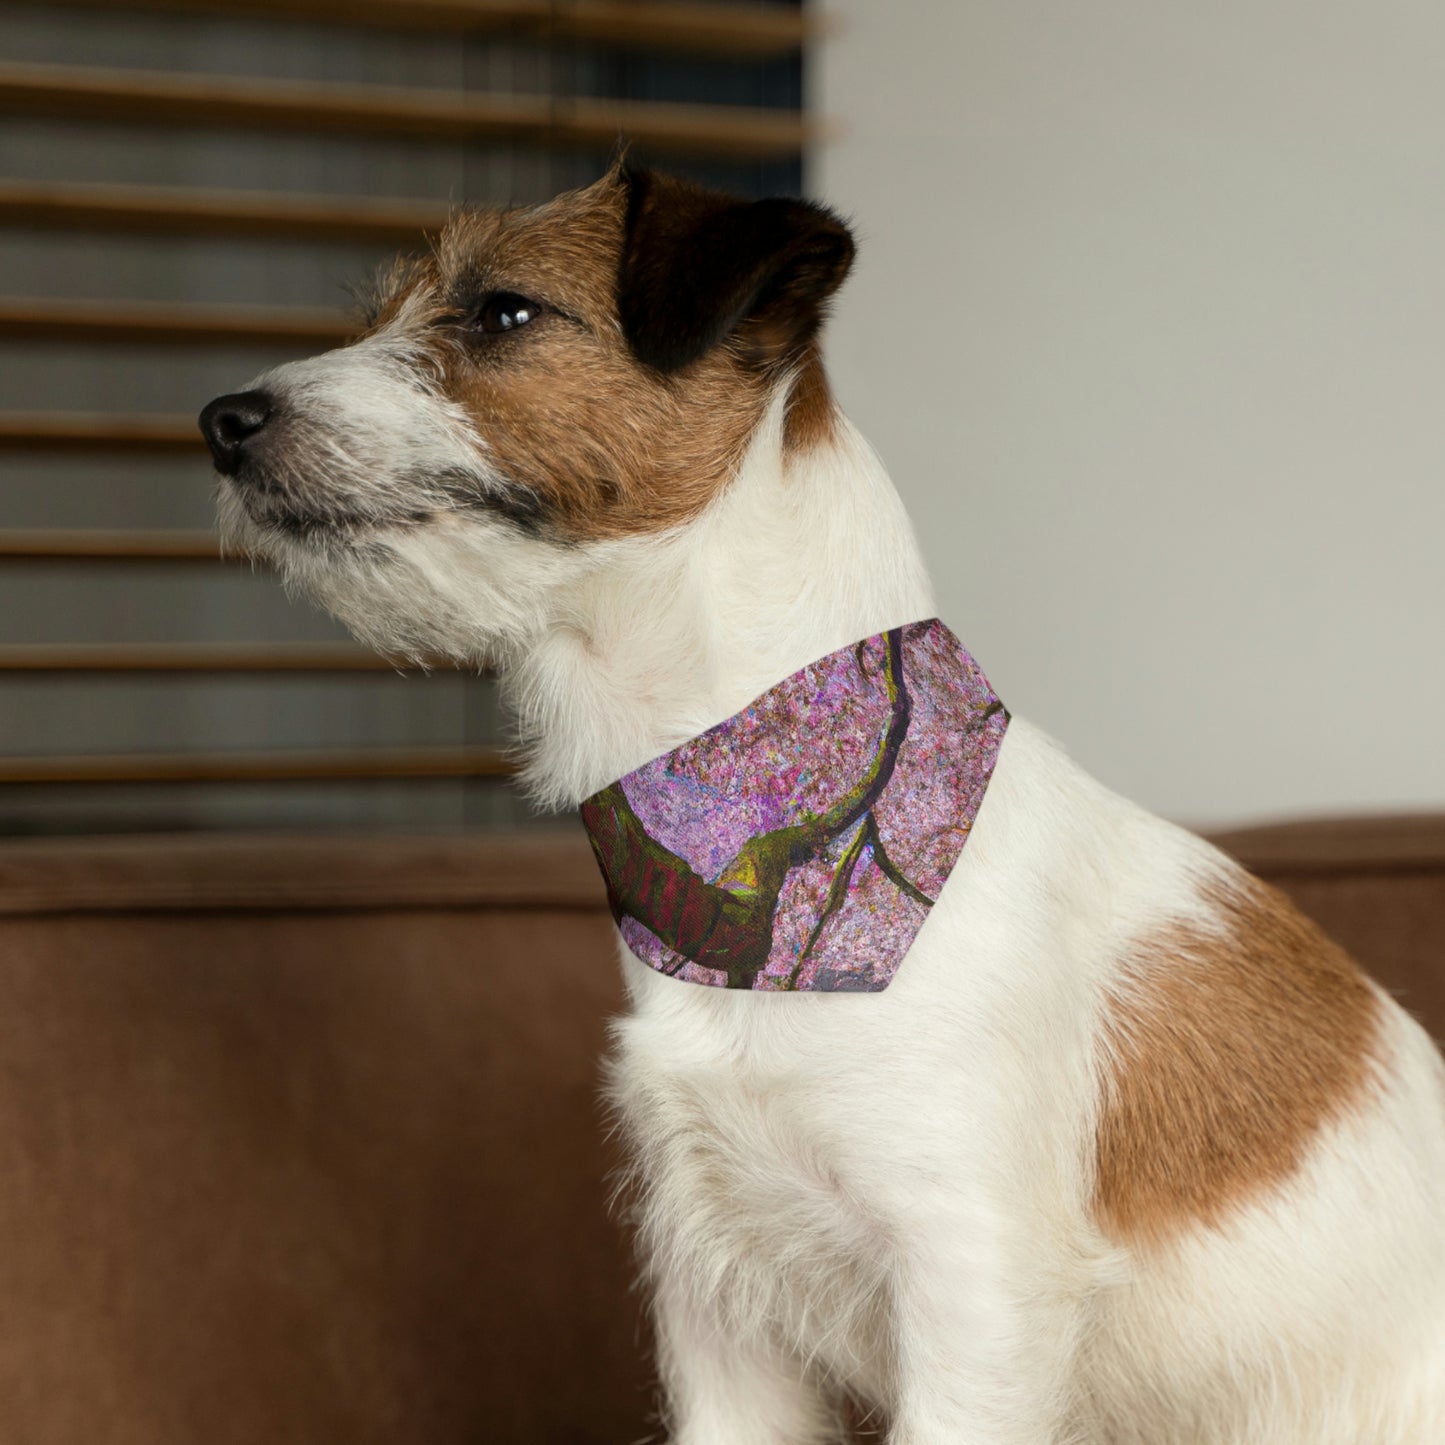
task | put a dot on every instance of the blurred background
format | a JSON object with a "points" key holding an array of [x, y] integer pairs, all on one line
{"points": [[1148, 325], [190, 194], [301, 1005]]}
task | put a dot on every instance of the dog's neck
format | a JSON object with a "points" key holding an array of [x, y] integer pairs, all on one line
{"points": [[664, 637]]}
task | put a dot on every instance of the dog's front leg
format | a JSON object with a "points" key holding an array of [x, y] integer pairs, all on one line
{"points": [[985, 1352], [724, 1387]]}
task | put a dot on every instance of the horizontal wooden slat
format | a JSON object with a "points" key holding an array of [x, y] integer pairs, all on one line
{"points": [[108, 546], [95, 431], [174, 211], [314, 871], [178, 657], [215, 101], [715, 29], [704, 29], [1364, 843], [266, 767], [171, 324]]}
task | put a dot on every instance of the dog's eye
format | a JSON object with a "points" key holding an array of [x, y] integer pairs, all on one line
{"points": [[505, 311]]}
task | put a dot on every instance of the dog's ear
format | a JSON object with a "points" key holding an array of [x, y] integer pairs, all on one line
{"points": [[699, 267]]}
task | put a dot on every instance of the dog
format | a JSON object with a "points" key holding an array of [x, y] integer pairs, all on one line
{"points": [[1127, 1152]]}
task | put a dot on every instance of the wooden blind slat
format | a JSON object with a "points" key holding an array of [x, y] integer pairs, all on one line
{"points": [[176, 211], [705, 29], [754, 31], [108, 546], [169, 323], [358, 765], [181, 657], [157, 97], [94, 431]]}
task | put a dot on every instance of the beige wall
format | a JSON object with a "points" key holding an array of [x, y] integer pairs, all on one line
{"points": [[1149, 324]]}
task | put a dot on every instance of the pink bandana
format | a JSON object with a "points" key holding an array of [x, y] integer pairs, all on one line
{"points": [[801, 843]]}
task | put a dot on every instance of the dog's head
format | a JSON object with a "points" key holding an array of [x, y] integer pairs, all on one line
{"points": [[546, 382]]}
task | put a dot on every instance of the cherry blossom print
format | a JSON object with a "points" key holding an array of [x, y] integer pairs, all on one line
{"points": [[801, 844]]}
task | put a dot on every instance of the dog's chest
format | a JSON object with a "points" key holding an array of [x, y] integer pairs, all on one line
{"points": [[746, 1155]]}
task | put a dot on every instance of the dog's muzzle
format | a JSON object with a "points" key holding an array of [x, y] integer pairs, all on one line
{"points": [[231, 424]]}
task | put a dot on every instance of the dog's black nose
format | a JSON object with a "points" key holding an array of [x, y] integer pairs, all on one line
{"points": [[229, 422]]}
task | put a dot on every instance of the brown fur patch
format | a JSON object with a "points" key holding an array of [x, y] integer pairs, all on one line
{"points": [[602, 444], [812, 413], [1228, 1052], [597, 442]]}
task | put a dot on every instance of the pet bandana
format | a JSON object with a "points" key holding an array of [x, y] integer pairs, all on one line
{"points": [[801, 843]]}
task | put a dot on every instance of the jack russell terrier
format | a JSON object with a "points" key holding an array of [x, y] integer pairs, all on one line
{"points": [[1063, 1129]]}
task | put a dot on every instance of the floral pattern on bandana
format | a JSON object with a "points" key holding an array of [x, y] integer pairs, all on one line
{"points": [[800, 844]]}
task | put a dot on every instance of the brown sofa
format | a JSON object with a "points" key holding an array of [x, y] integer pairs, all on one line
{"points": [[299, 1141]]}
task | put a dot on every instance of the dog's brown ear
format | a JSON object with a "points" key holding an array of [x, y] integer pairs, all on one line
{"points": [[699, 267]]}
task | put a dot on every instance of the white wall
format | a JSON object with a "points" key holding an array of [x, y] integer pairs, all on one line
{"points": [[1149, 324]]}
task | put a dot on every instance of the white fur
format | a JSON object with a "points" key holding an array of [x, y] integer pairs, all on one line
{"points": [[890, 1193]]}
